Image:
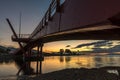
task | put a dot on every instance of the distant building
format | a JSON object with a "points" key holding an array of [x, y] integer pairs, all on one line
{"points": [[61, 51], [68, 51]]}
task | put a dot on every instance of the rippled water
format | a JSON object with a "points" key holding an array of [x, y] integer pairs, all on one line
{"points": [[53, 63]]}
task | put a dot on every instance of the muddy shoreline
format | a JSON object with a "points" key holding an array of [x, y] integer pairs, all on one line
{"points": [[103, 73], [82, 74]]}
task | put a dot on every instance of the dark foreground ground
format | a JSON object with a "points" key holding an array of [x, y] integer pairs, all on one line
{"points": [[80, 74], [105, 73]]}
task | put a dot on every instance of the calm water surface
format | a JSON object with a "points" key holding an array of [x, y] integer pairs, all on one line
{"points": [[54, 63]]}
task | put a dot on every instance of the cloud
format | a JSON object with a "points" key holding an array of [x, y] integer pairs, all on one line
{"points": [[108, 50], [68, 46], [96, 44], [110, 46], [114, 49], [103, 43]]}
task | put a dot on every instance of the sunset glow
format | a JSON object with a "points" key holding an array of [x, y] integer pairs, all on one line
{"points": [[56, 46]]}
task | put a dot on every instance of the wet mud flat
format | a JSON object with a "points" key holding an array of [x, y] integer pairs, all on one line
{"points": [[105, 73]]}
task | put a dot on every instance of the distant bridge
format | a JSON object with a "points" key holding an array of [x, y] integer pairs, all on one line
{"points": [[76, 20]]}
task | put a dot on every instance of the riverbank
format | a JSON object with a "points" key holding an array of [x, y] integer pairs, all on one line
{"points": [[103, 73], [75, 74], [81, 74]]}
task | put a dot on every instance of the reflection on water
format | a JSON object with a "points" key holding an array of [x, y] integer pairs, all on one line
{"points": [[54, 63]]}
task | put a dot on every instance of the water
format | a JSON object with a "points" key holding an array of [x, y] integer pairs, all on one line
{"points": [[10, 67]]}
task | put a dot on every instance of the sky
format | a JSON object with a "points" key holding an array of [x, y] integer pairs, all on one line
{"points": [[57, 45], [31, 11], [94, 46]]}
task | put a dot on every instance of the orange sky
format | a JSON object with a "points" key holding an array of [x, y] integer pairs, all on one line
{"points": [[56, 46]]}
